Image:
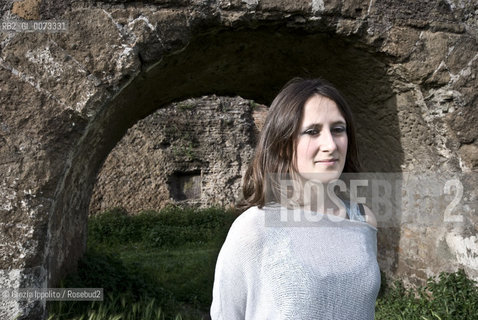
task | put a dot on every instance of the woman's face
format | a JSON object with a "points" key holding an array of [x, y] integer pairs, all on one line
{"points": [[322, 141]]}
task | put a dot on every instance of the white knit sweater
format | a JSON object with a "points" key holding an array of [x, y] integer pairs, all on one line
{"points": [[326, 270]]}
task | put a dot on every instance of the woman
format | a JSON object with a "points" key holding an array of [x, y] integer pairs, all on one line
{"points": [[297, 252]]}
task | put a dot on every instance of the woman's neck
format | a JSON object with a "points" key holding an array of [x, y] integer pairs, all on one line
{"points": [[317, 199]]}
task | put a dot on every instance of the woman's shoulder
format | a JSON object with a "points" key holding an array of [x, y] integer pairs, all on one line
{"points": [[251, 215], [248, 225], [250, 220], [360, 212], [245, 237], [370, 216]]}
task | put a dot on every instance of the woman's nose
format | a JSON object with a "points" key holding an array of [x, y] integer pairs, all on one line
{"points": [[327, 141]]}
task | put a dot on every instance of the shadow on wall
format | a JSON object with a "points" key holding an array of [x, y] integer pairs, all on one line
{"points": [[251, 63], [185, 185]]}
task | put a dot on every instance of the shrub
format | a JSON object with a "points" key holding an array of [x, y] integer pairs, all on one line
{"points": [[172, 226], [451, 296], [103, 270]]}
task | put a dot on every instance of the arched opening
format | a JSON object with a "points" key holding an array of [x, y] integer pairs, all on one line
{"points": [[253, 63], [190, 153]]}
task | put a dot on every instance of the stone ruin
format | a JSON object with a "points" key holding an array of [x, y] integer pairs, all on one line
{"points": [[67, 98], [191, 153]]}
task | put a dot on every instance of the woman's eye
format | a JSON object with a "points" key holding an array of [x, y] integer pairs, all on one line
{"points": [[338, 129], [311, 132]]}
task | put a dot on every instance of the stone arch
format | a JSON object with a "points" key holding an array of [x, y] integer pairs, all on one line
{"points": [[242, 62], [411, 63]]}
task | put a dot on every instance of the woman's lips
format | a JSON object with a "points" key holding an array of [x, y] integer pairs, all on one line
{"points": [[327, 162]]}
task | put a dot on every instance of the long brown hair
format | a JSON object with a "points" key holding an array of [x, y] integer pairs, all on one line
{"points": [[275, 150]]}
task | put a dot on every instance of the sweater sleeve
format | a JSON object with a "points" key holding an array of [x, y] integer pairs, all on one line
{"points": [[233, 271]]}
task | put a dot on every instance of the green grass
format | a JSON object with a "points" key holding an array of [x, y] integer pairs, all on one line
{"points": [[451, 296], [160, 265], [155, 265]]}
